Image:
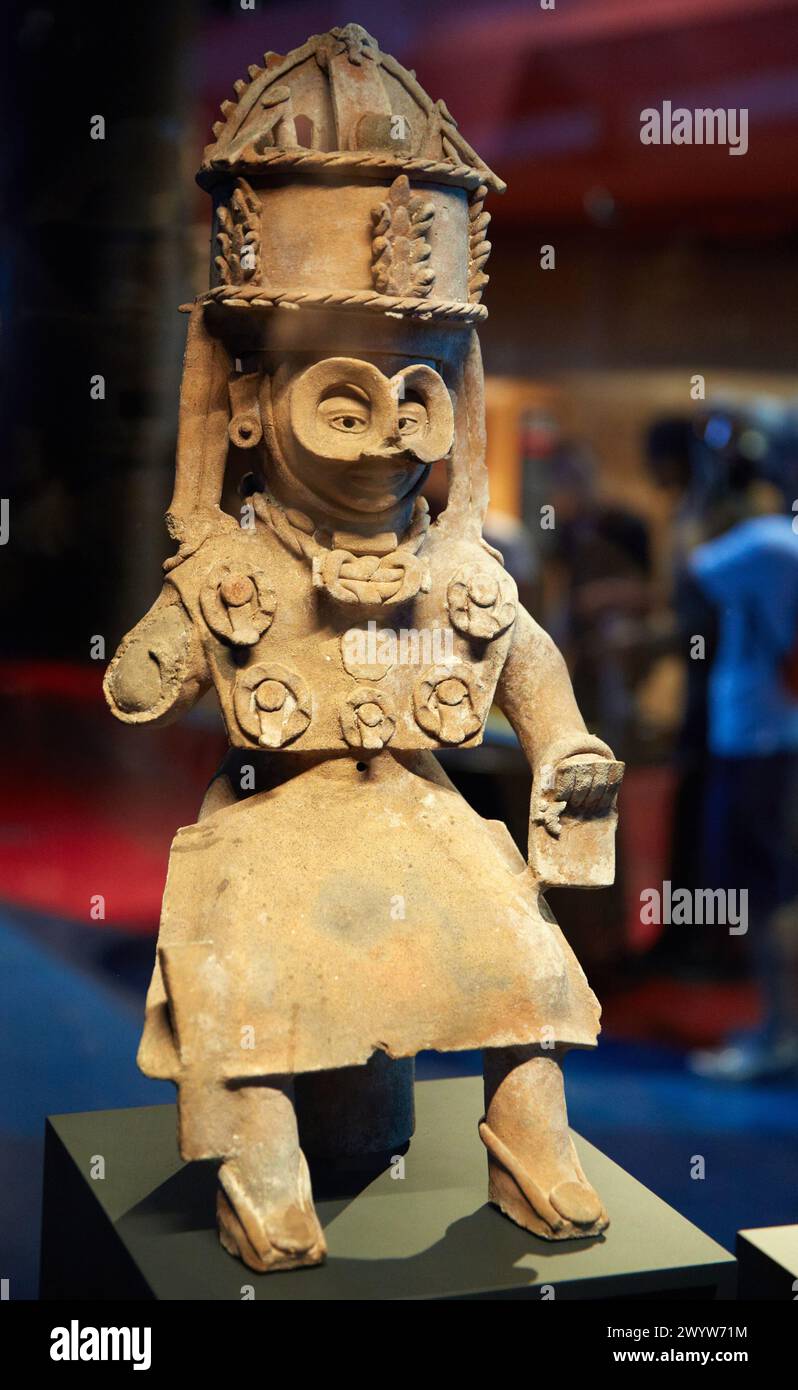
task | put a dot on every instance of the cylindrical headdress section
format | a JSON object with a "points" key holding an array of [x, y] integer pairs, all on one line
{"points": [[339, 185]]}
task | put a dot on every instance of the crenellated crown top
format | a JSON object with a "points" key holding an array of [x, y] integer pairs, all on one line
{"points": [[339, 104]]}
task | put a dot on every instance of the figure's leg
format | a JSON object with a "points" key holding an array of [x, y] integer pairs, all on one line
{"points": [[356, 1117], [535, 1176], [265, 1205]]}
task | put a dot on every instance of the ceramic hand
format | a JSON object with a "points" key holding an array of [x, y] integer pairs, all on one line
{"points": [[583, 785]]}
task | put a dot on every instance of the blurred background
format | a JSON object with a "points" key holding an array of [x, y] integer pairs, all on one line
{"points": [[640, 357]]}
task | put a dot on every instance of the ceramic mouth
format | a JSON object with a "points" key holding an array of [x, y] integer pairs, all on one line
{"points": [[375, 479]]}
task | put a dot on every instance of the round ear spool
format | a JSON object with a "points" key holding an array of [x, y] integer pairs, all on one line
{"points": [[246, 427]]}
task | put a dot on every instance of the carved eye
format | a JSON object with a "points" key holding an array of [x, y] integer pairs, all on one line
{"points": [[348, 414], [412, 418]]}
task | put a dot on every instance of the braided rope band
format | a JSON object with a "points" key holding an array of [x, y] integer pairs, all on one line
{"points": [[250, 161], [256, 297]]}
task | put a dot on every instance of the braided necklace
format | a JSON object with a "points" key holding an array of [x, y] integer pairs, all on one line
{"points": [[354, 569]]}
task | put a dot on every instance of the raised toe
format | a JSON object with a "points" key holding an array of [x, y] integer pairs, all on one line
{"points": [[297, 1241], [577, 1203], [297, 1233]]}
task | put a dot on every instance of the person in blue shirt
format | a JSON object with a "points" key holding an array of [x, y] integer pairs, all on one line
{"points": [[750, 576]]}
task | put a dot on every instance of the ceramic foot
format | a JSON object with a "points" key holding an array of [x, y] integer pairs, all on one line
{"points": [[268, 1235], [571, 1210]]}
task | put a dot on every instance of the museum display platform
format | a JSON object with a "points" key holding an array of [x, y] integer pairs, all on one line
{"points": [[768, 1263], [146, 1229]]}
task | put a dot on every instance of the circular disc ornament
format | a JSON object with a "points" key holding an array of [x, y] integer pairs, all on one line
{"points": [[481, 601], [368, 719], [238, 605], [445, 704], [272, 704]]}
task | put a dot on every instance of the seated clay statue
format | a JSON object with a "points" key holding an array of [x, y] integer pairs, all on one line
{"points": [[338, 906]]}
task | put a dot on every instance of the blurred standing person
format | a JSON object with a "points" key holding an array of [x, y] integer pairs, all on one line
{"points": [[750, 575], [680, 466]]}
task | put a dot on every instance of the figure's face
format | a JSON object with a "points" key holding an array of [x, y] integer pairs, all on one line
{"points": [[358, 440]]}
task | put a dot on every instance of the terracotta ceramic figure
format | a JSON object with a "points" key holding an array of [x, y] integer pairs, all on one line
{"points": [[338, 906]]}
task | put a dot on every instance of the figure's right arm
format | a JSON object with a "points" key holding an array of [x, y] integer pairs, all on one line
{"points": [[159, 670]]}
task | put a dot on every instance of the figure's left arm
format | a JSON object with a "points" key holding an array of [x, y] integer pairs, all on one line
{"points": [[576, 778]]}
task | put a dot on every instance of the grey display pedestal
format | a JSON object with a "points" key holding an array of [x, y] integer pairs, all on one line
{"points": [[768, 1260], [147, 1229]]}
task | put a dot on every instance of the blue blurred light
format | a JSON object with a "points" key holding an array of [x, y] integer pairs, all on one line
{"points": [[718, 432]]}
